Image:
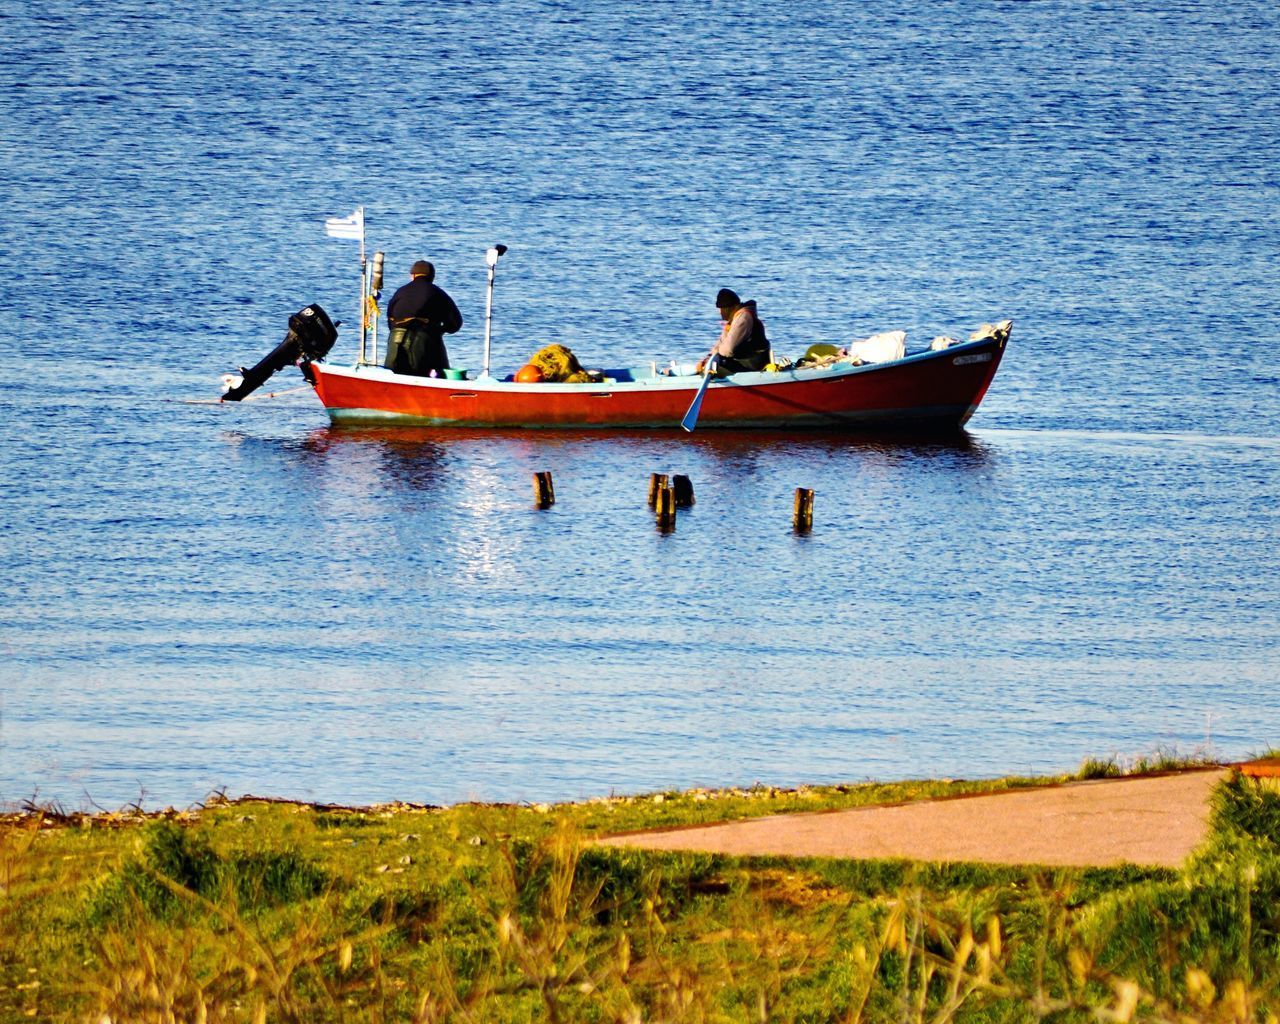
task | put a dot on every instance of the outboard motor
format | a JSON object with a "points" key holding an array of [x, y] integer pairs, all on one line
{"points": [[310, 337]]}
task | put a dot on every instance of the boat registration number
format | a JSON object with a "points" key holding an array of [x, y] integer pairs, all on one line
{"points": [[980, 357]]}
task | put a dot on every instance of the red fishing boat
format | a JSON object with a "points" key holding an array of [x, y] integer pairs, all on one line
{"points": [[937, 389], [929, 390]]}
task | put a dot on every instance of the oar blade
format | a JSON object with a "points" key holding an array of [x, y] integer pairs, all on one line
{"points": [[691, 417], [690, 420]]}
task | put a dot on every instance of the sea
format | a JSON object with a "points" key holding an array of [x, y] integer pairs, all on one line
{"points": [[202, 598]]}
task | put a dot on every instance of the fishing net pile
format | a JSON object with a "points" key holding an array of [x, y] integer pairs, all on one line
{"points": [[559, 366]]}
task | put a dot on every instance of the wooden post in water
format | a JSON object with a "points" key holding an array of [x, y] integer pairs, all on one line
{"points": [[544, 493], [683, 487], [657, 481], [665, 508], [802, 518]]}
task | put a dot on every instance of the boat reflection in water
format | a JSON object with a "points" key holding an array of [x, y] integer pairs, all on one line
{"points": [[421, 458]]}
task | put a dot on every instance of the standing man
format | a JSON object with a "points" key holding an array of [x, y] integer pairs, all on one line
{"points": [[420, 315], [742, 344]]}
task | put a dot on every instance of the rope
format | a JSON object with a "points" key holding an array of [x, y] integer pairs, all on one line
{"points": [[250, 398]]}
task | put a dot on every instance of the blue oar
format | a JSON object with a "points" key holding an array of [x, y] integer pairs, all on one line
{"points": [[691, 417]]}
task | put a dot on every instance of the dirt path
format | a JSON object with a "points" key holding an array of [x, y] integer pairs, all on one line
{"points": [[1154, 820]]}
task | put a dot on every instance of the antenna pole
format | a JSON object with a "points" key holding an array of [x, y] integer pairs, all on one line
{"points": [[491, 260]]}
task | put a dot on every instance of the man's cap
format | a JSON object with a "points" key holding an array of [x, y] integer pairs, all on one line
{"points": [[423, 269], [726, 297]]}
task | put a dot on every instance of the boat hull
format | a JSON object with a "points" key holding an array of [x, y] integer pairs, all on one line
{"points": [[930, 390]]}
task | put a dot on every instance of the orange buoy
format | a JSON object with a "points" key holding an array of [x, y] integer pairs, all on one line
{"points": [[528, 374]]}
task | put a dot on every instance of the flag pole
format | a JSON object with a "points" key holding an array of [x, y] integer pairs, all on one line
{"points": [[364, 289], [352, 227]]}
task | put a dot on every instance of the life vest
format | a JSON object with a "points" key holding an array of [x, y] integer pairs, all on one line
{"points": [[754, 352]]}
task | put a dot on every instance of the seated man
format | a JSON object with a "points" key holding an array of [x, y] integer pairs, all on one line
{"points": [[742, 344], [420, 315]]}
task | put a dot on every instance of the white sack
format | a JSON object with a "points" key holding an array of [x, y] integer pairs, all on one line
{"points": [[880, 348], [1000, 330]]}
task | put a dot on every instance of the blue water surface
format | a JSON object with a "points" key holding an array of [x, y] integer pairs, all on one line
{"points": [[204, 597]]}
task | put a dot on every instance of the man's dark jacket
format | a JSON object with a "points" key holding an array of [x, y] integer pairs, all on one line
{"points": [[421, 314]]}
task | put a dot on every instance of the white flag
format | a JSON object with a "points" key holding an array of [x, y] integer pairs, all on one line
{"points": [[346, 227]]}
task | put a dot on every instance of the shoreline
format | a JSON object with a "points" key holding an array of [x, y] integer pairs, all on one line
{"points": [[829, 797]]}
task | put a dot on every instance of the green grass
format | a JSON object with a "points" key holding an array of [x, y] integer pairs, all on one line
{"points": [[1162, 760], [283, 912]]}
